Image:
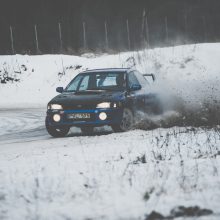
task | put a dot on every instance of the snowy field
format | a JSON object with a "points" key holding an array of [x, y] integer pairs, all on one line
{"points": [[164, 173], [110, 176]]}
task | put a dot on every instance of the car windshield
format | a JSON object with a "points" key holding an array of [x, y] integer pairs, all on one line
{"points": [[97, 81]]}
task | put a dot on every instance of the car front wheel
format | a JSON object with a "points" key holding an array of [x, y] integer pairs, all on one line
{"points": [[127, 122], [57, 132]]}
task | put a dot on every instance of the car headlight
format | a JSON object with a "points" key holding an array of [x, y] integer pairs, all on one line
{"points": [[104, 105], [55, 107]]}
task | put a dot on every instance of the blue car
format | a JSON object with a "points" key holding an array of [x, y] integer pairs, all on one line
{"points": [[100, 97]]}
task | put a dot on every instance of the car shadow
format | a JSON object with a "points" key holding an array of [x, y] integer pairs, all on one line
{"points": [[97, 132], [89, 135]]}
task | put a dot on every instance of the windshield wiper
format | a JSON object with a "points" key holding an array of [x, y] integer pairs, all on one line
{"points": [[69, 90], [89, 90]]}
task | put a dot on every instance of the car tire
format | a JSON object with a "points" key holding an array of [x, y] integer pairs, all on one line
{"points": [[87, 130], [127, 122], [56, 132]]}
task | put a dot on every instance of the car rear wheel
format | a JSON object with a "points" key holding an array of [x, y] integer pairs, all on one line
{"points": [[87, 130], [157, 108], [57, 132], [127, 122]]}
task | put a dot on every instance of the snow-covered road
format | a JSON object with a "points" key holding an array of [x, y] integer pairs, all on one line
{"points": [[105, 176], [20, 125]]}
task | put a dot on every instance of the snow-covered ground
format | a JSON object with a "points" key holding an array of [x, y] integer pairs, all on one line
{"points": [[109, 176]]}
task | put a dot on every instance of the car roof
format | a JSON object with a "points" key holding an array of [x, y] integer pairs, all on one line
{"points": [[118, 70]]}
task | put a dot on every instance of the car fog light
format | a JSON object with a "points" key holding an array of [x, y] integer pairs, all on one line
{"points": [[102, 116], [56, 118]]}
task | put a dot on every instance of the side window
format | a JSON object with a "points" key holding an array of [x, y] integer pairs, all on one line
{"points": [[132, 79], [84, 84]]}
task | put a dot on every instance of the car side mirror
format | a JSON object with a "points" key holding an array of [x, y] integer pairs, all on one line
{"points": [[59, 89], [135, 87]]}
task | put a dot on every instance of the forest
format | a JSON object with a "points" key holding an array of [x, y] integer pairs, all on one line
{"points": [[76, 26]]}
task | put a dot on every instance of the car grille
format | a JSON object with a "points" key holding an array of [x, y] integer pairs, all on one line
{"points": [[79, 106]]}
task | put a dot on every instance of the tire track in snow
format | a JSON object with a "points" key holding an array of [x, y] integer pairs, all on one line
{"points": [[22, 124]]}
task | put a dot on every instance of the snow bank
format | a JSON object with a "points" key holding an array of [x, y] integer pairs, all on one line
{"points": [[190, 71]]}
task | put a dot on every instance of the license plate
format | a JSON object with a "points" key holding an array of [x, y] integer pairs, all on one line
{"points": [[79, 116]]}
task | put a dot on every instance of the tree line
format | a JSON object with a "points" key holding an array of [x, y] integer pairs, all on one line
{"points": [[73, 26]]}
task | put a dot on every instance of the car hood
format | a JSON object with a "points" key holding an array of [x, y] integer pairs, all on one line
{"points": [[92, 97]]}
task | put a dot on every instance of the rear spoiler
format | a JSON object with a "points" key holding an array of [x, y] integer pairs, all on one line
{"points": [[151, 75]]}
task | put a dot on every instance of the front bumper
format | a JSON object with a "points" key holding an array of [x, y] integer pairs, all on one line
{"points": [[114, 116]]}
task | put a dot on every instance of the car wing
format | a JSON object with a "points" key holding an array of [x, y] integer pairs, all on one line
{"points": [[150, 75]]}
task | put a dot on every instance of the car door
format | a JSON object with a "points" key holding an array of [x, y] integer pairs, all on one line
{"points": [[136, 97], [150, 101]]}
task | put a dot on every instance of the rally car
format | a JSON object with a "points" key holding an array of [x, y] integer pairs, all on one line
{"points": [[100, 97]]}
